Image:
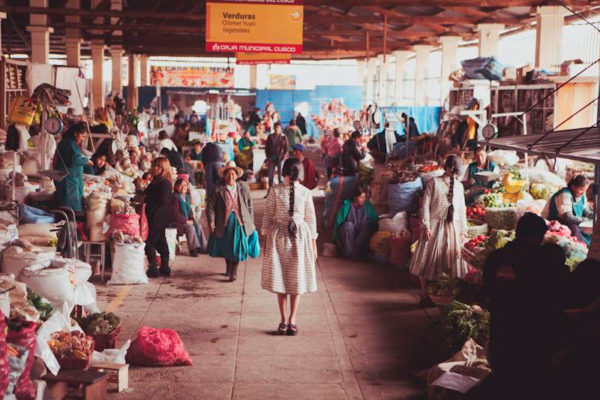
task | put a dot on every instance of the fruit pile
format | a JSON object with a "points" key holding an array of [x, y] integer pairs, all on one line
{"points": [[476, 212], [477, 243]]}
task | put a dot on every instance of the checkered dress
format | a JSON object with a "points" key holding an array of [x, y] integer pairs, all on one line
{"points": [[442, 252], [289, 263]]}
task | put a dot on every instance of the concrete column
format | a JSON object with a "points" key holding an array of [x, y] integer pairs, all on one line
{"points": [[134, 78], [449, 50], [253, 76], [144, 71], [2, 16], [421, 73], [98, 72], [489, 34], [401, 57], [382, 87], [548, 37], [40, 34], [73, 35], [116, 54], [370, 86]]}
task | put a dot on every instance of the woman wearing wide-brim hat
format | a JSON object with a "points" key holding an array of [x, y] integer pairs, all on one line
{"points": [[230, 216]]}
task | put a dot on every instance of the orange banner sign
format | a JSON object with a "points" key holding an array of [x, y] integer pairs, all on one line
{"points": [[254, 26], [191, 77], [262, 58]]}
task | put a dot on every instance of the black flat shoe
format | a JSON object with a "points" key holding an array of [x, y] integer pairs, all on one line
{"points": [[152, 273], [292, 330], [165, 271], [282, 329]]}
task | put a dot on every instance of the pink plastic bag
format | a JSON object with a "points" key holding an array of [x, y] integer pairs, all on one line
{"points": [[26, 338], [400, 249], [129, 224], [157, 348], [4, 366]]}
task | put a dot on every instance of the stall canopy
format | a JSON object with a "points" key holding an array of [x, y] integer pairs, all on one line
{"points": [[574, 144]]}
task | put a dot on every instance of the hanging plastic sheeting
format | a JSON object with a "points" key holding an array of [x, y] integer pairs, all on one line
{"points": [[32, 215], [404, 196], [426, 118]]}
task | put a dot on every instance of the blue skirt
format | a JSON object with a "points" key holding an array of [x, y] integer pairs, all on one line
{"points": [[234, 245]]}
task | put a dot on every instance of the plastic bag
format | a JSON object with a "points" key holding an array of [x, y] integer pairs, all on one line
{"points": [[116, 356], [144, 227], [171, 235], [32, 215], [397, 224], [16, 367], [400, 249], [504, 157], [157, 348], [129, 224], [404, 196], [4, 365], [25, 338], [39, 230], [128, 264]]}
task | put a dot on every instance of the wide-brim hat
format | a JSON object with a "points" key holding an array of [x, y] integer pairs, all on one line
{"points": [[231, 165]]}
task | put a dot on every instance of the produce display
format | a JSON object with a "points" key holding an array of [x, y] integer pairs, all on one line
{"points": [[443, 290], [429, 168], [477, 250], [365, 175], [501, 218], [540, 191], [559, 234], [476, 212], [71, 345], [42, 305], [460, 322], [493, 200], [99, 323]]}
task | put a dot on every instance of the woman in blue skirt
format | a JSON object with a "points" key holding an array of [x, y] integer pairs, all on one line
{"points": [[230, 216]]}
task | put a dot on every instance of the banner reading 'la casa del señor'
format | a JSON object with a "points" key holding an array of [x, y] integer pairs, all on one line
{"points": [[255, 26]]}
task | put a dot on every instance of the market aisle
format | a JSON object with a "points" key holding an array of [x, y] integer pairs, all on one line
{"points": [[359, 334]]}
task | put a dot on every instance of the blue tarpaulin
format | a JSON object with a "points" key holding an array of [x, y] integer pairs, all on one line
{"points": [[426, 118], [286, 101]]}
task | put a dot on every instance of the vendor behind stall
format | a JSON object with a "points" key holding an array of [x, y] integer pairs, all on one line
{"points": [[355, 223], [245, 156], [569, 206], [481, 164], [98, 166], [69, 191]]}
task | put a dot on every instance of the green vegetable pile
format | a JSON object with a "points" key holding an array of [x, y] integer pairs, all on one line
{"points": [[444, 286], [497, 240], [460, 322], [493, 200], [39, 303], [99, 323]]}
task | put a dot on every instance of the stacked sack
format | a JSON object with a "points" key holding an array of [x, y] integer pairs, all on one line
{"points": [[97, 209]]}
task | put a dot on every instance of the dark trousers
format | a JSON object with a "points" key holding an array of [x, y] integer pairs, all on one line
{"points": [[157, 241]]}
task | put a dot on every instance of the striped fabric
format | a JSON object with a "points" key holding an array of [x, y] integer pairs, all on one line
{"points": [[442, 252], [289, 263]]}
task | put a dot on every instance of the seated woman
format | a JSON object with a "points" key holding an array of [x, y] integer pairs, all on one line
{"points": [[569, 206], [99, 164], [245, 156], [183, 219], [474, 185], [356, 222]]}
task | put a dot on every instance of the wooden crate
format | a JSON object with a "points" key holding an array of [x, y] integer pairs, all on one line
{"points": [[117, 373]]}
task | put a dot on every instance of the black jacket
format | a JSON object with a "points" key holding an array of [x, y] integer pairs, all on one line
{"points": [[351, 156], [211, 153], [158, 197]]}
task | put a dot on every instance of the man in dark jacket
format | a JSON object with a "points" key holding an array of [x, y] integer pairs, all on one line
{"points": [[176, 160], [212, 158], [526, 284], [301, 122], [352, 154], [276, 151], [378, 143]]}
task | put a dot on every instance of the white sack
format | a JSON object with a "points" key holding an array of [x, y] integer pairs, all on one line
{"points": [[128, 264], [15, 259], [171, 235], [397, 224]]}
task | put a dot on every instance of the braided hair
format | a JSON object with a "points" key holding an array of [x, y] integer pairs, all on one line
{"points": [[291, 169], [452, 164]]}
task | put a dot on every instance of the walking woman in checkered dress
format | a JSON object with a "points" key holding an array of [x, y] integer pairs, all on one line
{"points": [[290, 228], [444, 219]]}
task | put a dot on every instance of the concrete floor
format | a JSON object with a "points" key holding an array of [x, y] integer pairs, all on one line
{"points": [[361, 336]]}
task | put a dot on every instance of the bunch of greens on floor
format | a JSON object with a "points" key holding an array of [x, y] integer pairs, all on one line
{"points": [[39, 303], [99, 323], [460, 322], [444, 286]]}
